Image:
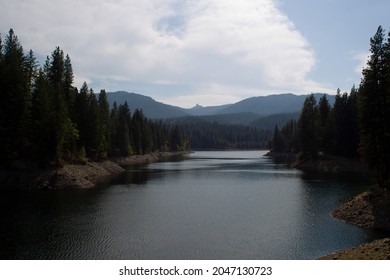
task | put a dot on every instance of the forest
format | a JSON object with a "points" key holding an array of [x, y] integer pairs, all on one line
{"points": [[211, 135], [357, 126], [45, 120]]}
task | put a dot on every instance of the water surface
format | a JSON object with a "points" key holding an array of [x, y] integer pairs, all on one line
{"points": [[213, 205]]}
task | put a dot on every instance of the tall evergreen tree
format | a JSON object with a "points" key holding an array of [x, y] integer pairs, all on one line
{"points": [[14, 109], [42, 119], [123, 133], [104, 129], [374, 100], [309, 127], [64, 130], [69, 91], [93, 126]]}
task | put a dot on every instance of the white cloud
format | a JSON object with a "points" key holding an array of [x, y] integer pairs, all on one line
{"points": [[220, 48], [362, 58]]}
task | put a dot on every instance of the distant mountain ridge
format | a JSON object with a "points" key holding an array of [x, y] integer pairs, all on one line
{"points": [[260, 105], [150, 107]]}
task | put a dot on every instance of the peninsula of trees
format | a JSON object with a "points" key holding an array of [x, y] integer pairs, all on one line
{"points": [[45, 120]]}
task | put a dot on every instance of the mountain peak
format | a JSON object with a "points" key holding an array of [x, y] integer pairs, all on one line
{"points": [[197, 106]]}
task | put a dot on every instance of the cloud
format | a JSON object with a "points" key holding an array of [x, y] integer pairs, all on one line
{"points": [[362, 58], [216, 47]]}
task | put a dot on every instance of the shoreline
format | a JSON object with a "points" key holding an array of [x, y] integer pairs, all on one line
{"points": [[370, 209], [76, 176]]}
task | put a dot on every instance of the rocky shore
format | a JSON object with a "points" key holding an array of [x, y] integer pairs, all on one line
{"points": [[370, 209], [334, 164], [376, 250], [79, 176]]}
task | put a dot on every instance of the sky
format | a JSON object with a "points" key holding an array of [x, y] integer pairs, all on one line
{"points": [[208, 52]]}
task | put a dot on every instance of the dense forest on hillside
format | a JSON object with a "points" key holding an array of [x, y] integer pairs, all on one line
{"points": [[211, 135], [45, 120], [358, 124]]}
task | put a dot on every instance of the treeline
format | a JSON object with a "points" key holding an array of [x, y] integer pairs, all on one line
{"points": [[45, 120], [211, 135], [357, 125]]}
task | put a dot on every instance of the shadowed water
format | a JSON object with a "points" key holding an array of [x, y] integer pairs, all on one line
{"points": [[213, 205]]}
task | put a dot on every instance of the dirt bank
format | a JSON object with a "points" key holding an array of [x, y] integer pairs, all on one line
{"points": [[147, 158], [370, 209], [334, 164], [70, 176], [79, 176], [376, 250]]}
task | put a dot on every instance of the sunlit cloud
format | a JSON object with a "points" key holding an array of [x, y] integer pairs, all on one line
{"points": [[217, 48]]}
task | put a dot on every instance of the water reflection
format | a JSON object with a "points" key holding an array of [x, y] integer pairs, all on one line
{"points": [[212, 205]]}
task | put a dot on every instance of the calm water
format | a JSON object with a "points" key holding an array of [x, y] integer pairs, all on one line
{"points": [[213, 205]]}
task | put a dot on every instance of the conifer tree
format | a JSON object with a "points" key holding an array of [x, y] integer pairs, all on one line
{"points": [[374, 100], [123, 133], [63, 130], [114, 127], [93, 126], [309, 128], [104, 129], [324, 113], [14, 109], [42, 119]]}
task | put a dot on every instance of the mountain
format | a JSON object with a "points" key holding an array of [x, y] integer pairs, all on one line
{"points": [[150, 107], [271, 104], [262, 112], [199, 110]]}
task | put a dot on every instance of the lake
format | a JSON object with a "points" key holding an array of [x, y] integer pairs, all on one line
{"points": [[211, 205]]}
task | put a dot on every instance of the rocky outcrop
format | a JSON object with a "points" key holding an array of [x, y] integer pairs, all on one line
{"points": [[69, 176], [376, 250], [370, 209], [80, 176]]}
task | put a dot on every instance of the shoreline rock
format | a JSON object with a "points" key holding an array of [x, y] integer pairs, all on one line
{"points": [[376, 250], [333, 164], [147, 158], [79, 176], [370, 209]]}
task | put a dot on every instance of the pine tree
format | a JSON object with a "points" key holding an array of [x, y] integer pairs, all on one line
{"points": [[81, 114], [278, 141], [31, 70], [64, 130], [14, 109], [42, 119], [93, 126], [374, 100], [324, 114], [104, 129], [309, 128], [123, 133], [69, 91], [114, 127]]}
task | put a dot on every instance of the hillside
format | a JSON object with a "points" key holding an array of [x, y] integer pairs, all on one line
{"points": [[199, 110], [271, 104], [150, 107], [262, 112], [269, 122]]}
